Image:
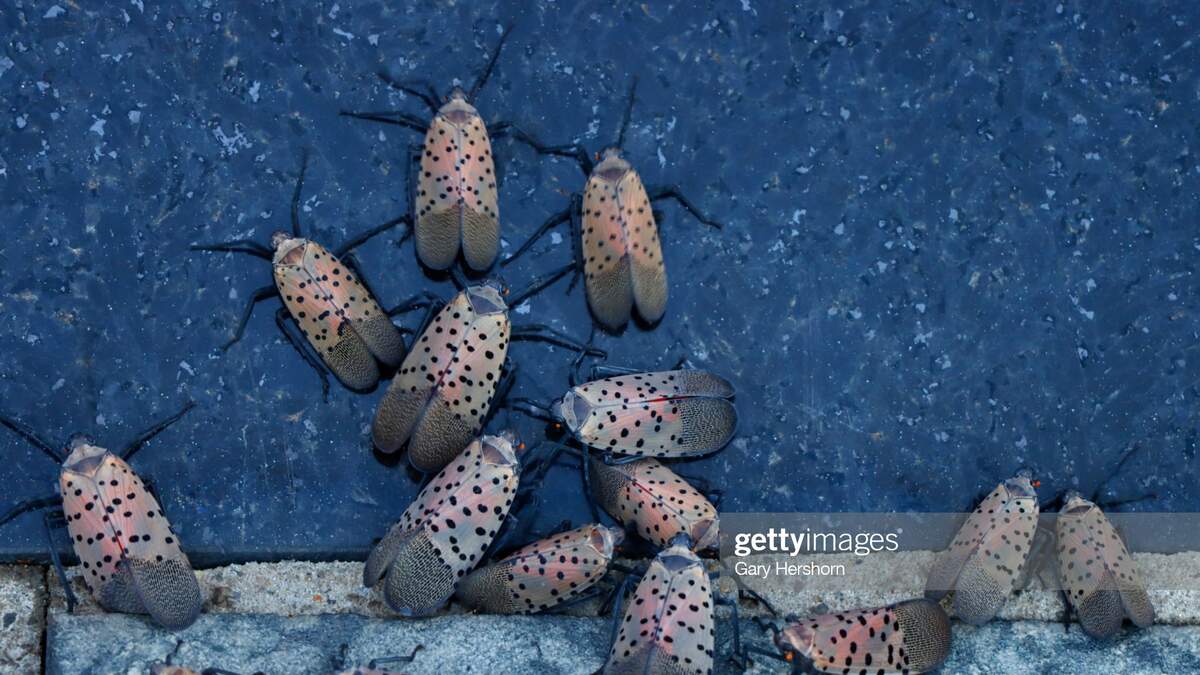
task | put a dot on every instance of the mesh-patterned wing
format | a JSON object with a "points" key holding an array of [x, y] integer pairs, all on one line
{"points": [[1097, 572], [649, 274], [449, 527], [910, 637], [456, 194], [985, 559], [317, 298], [541, 575], [668, 625], [655, 501], [677, 413], [350, 296], [606, 263], [131, 543]]}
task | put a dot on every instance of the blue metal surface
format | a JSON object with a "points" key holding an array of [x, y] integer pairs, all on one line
{"points": [[960, 240]]}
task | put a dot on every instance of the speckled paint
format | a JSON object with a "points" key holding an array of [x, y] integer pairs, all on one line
{"points": [[959, 241]]}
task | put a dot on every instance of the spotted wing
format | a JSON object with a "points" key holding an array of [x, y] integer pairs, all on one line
{"points": [[606, 263], [660, 505], [420, 374], [911, 637], [463, 388], [1098, 574], [649, 274], [349, 295], [127, 528], [481, 213], [439, 204], [306, 282], [986, 557], [668, 625], [553, 570], [677, 413]]}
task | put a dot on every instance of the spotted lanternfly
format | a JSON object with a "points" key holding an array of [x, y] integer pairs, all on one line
{"points": [[668, 626], [1097, 573], [654, 501], [456, 197], [130, 557], [327, 298], [439, 398], [620, 253], [987, 555], [909, 637], [676, 413], [543, 574], [447, 529]]}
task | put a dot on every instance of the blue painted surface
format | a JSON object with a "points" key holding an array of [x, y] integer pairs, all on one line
{"points": [[959, 241]]}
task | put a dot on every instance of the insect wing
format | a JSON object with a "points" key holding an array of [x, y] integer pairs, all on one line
{"points": [[131, 559], [1097, 572], [649, 274], [605, 254], [985, 559], [668, 625], [304, 275], [910, 637], [678, 413], [657, 502]]}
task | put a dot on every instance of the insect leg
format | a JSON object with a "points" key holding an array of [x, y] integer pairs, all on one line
{"points": [[487, 71], [362, 238], [30, 505], [673, 192], [628, 114], [428, 96], [158, 427], [26, 432], [281, 320], [556, 219], [618, 599], [576, 207], [296, 193], [237, 246], [396, 117], [256, 297], [543, 333], [538, 285], [395, 659], [52, 521], [599, 371]]}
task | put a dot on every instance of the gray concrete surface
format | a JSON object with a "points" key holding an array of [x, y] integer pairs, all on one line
{"points": [[22, 618]]}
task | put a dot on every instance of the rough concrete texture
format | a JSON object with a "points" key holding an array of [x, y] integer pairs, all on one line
{"points": [[272, 644], [22, 618], [1173, 582]]}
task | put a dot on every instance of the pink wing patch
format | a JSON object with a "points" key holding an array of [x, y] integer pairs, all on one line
{"points": [[910, 637], [550, 571], [649, 274], [669, 619], [678, 413], [660, 505], [320, 292]]}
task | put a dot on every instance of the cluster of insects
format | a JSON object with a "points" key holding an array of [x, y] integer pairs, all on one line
{"points": [[624, 428]]}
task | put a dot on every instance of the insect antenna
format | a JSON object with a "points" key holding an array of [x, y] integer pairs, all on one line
{"points": [[237, 246], [531, 408], [296, 194], [487, 70], [628, 113], [31, 505], [142, 438], [26, 432]]}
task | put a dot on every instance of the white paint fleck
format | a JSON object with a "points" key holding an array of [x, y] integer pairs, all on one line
{"points": [[187, 368], [21, 121], [845, 113], [840, 229], [747, 7], [953, 215], [881, 266], [662, 159], [135, 116], [556, 238], [1079, 119], [1094, 156], [921, 307], [5, 64], [1090, 285], [98, 128], [524, 308], [342, 33], [254, 89], [58, 385], [373, 39], [53, 12], [139, 4], [100, 421]]}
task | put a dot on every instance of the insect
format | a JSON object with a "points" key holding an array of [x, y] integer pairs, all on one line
{"points": [[131, 558], [543, 574], [618, 252], [455, 200], [1099, 577], [442, 393], [654, 501], [669, 626], [987, 555], [674, 413], [909, 637], [374, 666], [327, 297], [447, 529]]}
